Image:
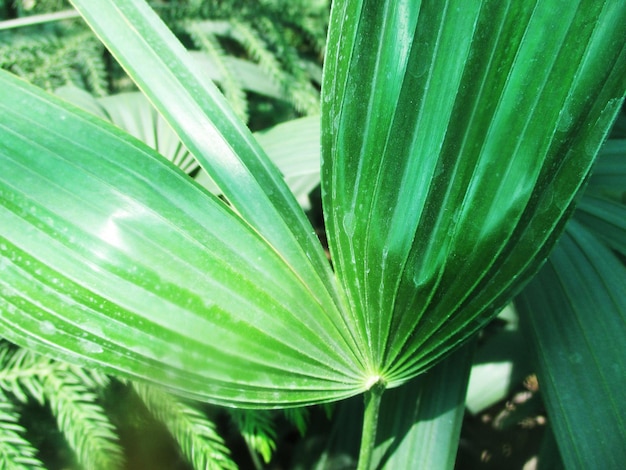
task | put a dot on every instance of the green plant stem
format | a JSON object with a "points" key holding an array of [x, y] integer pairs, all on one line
{"points": [[38, 19], [370, 424]]}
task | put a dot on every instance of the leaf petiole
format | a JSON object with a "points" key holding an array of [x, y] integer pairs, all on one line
{"points": [[372, 399]]}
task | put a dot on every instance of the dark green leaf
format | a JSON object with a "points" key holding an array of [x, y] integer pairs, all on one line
{"points": [[575, 311], [455, 137]]}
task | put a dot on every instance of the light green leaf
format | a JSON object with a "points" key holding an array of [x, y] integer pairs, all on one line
{"points": [[575, 311], [455, 136], [294, 146], [501, 362], [112, 257], [211, 131]]}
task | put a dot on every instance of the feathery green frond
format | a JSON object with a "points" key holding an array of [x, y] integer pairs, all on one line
{"points": [[16, 453], [90, 378], [279, 34], [257, 48], [51, 60], [299, 417], [90, 69], [298, 88], [258, 430], [82, 420], [21, 371], [195, 433]]}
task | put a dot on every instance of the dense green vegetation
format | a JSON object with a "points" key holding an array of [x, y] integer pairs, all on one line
{"points": [[267, 58]]}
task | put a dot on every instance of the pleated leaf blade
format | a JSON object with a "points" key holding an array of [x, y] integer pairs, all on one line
{"points": [[575, 311], [208, 127], [455, 136], [112, 257]]}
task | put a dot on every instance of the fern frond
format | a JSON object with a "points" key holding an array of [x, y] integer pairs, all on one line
{"points": [[230, 85], [299, 417], [289, 75], [82, 420], [315, 36], [90, 378], [90, 65], [77, 61], [21, 371], [51, 61], [16, 453], [258, 50], [257, 429], [300, 90], [196, 435]]}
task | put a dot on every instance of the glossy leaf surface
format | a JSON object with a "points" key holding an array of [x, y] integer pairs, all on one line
{"points": [[455, 136], [292, 146], [603, 208], [196, 110], [576, 315], [112, 257]]}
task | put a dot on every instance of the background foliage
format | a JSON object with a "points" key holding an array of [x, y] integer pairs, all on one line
{"points": [[80, 401], [278, 43]]}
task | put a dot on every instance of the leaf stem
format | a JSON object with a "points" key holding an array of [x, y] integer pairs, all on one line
{"points": [[370, 424]]}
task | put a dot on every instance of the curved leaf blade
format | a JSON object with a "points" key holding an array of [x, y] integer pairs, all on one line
{"points": [[477, 124], [112, 257], [293, 146], [133, 113], [575, 312], [603, 207], [210, 130]]}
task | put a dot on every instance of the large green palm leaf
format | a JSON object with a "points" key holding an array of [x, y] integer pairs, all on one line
{"points": [[114, 256], [455, 137]]}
